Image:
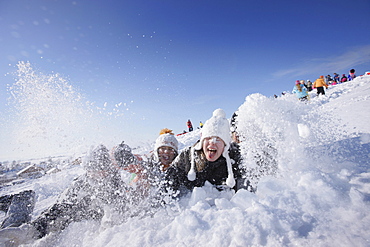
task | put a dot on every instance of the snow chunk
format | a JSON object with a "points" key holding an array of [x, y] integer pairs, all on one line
{"points": [[303, 130], [244, 199]]}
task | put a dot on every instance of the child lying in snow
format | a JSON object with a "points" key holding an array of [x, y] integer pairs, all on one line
{"points": [[215, 158]]}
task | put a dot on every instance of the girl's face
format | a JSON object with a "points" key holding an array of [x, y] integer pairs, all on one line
{"points": [[166, 155], [213, 147]]}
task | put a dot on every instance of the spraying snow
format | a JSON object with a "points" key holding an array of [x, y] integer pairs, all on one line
{"points": [[49, 117], [317, 192]]}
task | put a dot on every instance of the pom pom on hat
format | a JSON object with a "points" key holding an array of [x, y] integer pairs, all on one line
{"points": [[165, 131], [218, 126]]}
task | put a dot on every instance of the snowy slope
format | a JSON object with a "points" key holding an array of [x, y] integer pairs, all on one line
{"points": [[320, 195]]}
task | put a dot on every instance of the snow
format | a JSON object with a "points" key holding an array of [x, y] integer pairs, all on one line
{"points": [[317, 195]]}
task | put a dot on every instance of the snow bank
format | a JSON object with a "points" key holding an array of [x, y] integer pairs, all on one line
{"points": [[318, 193]]}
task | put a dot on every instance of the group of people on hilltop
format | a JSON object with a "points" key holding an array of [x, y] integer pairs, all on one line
{"points": [[337, 79], [101, 194], [302, 87]]}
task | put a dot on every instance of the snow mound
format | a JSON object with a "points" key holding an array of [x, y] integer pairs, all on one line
{"points": [[314, 192]]}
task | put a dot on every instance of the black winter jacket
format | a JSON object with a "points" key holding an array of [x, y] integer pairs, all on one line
{"points": [[214, 172]]}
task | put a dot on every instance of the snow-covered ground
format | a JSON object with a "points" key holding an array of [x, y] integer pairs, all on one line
{"points": [[319, 195]]}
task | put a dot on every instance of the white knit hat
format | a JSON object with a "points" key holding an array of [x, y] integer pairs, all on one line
{"points": [[165, 139], [218, 126]]}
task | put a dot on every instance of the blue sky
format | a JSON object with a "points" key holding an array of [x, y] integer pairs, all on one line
{"points": [[169, 61]]}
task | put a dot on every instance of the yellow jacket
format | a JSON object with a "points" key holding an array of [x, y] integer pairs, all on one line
{"points": [[320, 83]]}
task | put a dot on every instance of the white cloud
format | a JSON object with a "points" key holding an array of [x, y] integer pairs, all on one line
{"points": [[356, 56]]}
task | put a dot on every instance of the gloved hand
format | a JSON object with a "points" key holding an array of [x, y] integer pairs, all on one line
{"points": [[123, 155], [15, 236]]}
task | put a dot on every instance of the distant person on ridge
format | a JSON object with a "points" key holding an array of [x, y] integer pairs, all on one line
{"points": [[336, 78], [190, 125], [300, 91], [201, 124], [319, 84], [329, 80], [309, 85], [351, 75], [303, 83], [344, 78]]}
